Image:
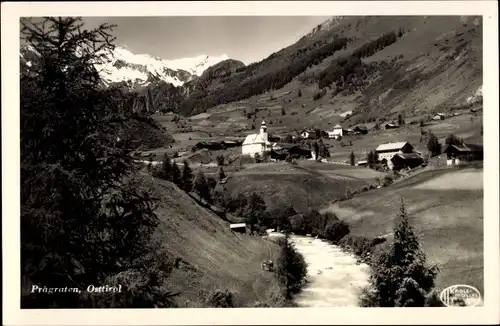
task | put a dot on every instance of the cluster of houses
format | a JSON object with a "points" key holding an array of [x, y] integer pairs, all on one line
{"points": [[397, 156], [394, 156], [337, 132], [402, 155]]}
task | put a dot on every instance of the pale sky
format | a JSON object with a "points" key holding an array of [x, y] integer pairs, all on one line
{"points": [[245, 38]]}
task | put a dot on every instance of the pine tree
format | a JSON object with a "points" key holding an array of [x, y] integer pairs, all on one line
{"points": [[400, 277], [254, 211], [176, 175], [433, 144], [401, 120], [200, 186], [187, 177], [86, 216], [166, 171], [221, 173], [352, 158], [372, 158]]}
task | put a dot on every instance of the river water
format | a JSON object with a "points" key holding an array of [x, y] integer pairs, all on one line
{"points": [[334, 277]]}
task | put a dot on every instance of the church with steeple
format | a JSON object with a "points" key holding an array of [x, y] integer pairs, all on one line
{"points": [[257, 143]]}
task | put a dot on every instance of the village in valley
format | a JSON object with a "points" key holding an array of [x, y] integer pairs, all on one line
{"points": [[399, 153]]}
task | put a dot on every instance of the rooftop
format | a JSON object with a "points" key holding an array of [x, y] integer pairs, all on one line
{"points": [[409, 156], [255, 139], [391, 146], [467, 148]]}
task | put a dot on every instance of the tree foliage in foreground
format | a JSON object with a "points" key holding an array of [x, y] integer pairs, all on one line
{"points": [[86, 219], [400, 277]]}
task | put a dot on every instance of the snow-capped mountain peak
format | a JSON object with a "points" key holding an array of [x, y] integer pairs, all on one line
{"points": [[141, 69]]}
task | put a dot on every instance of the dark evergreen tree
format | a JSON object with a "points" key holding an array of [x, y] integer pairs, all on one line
{"points": [[254, 211], [166, 168], [433, 144], [401, 120], [221, 173], [86, 215], [401, 277], [200, 186], [187, 177], [451, 139], [372, 158], [176, 175]]}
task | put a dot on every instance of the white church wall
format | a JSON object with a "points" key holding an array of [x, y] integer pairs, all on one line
{"points": [[251, 149]]}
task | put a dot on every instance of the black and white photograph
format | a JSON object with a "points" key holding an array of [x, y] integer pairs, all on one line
{"points": [[179, 162]]}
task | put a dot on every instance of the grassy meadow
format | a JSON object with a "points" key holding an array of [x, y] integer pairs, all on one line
{"points": [[446, 208]]}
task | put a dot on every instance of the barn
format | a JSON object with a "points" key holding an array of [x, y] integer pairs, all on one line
{"points": [[461, 154], [438, 116], [406, 160], [362, 129], [294, 150]]}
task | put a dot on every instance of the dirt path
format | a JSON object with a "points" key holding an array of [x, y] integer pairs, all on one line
{"points": [[334, 277]]}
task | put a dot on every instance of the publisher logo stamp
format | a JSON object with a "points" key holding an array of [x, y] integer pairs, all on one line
{"points": [[460, 296]]}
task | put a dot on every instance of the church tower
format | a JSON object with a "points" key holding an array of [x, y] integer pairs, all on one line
{"points": [[263, 132]]}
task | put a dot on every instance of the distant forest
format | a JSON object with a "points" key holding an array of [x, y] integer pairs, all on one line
{"points": [[343, 73]]}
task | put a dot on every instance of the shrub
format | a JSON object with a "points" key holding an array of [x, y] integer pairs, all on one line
{"points": [[291, 268], [220, 160], [336, 230], [348, 193], [388, 180], [297, 223], [220, 299], [361, 246]]}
